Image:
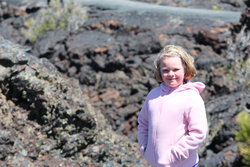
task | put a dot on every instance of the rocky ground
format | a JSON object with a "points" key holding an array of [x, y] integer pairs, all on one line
{"points": [[73, 98]]}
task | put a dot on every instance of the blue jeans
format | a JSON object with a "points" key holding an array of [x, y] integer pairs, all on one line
{"points": [[196, 165]]}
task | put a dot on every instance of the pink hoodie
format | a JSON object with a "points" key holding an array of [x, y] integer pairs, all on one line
{"points": [[172, 125]]}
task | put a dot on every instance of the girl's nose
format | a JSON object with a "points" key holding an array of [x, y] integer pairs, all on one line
{"points": [[171, 73]]}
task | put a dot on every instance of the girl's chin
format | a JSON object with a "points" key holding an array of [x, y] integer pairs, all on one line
{"points": [[173, 85]]}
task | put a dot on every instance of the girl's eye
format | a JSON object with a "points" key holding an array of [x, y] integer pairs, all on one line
{"points": [[165, 71], [175, 70]]}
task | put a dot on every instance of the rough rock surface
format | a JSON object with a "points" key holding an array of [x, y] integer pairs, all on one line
{"points": [[48, 121]]}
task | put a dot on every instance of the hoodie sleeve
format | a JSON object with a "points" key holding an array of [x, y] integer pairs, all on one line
{"points": [[196, 130], [143, 127]]}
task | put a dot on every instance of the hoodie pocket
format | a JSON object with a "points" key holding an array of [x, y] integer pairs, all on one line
{"points": [[165, 158]]}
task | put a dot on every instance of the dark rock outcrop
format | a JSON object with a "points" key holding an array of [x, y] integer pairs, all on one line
{"points": [[48, 121]]}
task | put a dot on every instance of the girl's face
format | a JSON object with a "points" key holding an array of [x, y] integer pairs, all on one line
{"points": [[172, 71]]}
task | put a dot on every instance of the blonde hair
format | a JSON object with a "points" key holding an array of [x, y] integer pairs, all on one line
{"points": [[187, 61]]}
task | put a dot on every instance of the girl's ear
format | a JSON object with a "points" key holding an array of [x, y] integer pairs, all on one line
{"points": [[158, 75], [187, 78]]}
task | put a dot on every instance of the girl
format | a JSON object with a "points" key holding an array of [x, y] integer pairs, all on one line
{"points": [[172, 121]]}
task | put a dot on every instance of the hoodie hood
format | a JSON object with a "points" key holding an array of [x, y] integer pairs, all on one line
{"points": [[196, 86]]}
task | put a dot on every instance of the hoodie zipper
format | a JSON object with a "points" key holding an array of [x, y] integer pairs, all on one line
{"points": [[156, 129]]}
